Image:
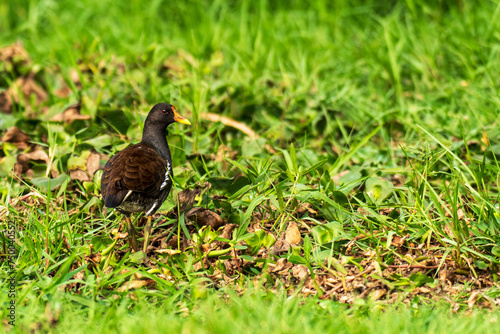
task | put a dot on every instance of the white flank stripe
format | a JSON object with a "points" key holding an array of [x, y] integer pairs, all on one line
{"points": [[126, 196], [167, 176], [152, 208]]}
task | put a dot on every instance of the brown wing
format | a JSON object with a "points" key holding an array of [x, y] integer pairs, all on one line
{"points": [[138, 168]]}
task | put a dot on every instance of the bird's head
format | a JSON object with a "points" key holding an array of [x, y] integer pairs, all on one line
{"points": [[164, 114]]}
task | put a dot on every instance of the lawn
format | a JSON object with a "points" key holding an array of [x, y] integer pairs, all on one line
{"points": [[340, 173]]}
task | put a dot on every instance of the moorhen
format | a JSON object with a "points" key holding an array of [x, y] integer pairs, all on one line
{"points": [[139, 178]]}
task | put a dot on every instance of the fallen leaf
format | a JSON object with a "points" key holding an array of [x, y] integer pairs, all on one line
{"points": [[135, 284], [5, 102], [79, 175], [72, 113], [306, 207], [473, 298], [22, 166], [377, 294], [398, 241], [17, 137], [281, 267], [233, 266], [205, 217], [186, 198], [300, 272], [293, 234], [211, 117], [397, 180], [121, 235], [28, 87], [228, 231], [281, 246], [83, 167], [93, 162], [14, 53], [94, 258], [423, 290], [167, 251], [75, 77]]}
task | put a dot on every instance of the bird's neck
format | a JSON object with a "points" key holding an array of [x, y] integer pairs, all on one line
{"points": [[158, 140]]}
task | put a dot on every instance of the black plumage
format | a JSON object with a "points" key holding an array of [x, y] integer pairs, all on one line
{"points": [[139, 178]]}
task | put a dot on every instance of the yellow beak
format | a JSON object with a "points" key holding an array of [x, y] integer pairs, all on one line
{"points": [[179, 119]]}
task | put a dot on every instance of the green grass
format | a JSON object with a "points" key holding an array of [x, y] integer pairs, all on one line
{"points": [[377, 135], [249, 313]]}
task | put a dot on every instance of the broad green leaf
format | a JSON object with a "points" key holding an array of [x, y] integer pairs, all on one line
{"points": [[44, 182], [378, 189], [326, 233]]}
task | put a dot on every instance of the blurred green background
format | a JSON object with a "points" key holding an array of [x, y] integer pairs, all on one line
{"points": [[288, 68]]}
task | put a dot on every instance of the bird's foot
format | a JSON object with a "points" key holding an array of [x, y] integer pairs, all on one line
{"points": [[147, 233], [131, 235]]}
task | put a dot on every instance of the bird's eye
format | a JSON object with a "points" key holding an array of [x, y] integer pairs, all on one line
{"points": [[164, 111]]}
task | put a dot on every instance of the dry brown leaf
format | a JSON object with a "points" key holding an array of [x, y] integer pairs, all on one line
{"points": [[63, 92], [280, 246], [300, 272], [397, 180], [27, 87], [75, 77], [93, 162], [79, 275], [233, 266], [186, 198], [377, 294], [135, 284], [22, 166], [17, 137], [14, 52], [121, 235], [281, 267], [72, 113], [94, 258], [227, 232], [124, 271], [293, 234], [305, 207], [423, 289], [235, 124], [167, 251], [5, 102], [80, 175], [138, 275], [35, 155], [398, 241], [232, 123], [386, 211], [473, 298], [351, 243], [204, 217]]}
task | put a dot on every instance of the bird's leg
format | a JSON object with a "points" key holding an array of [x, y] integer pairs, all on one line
{"points": [[131, 234], [147, 233]]}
